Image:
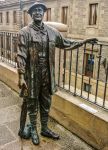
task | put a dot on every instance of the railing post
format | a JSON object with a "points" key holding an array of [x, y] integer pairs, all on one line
{"points": [[83, 68], [11, 43], [70, 69], [64, 67], [76, 72], [59, 67], [100, 52], [4, 45]]}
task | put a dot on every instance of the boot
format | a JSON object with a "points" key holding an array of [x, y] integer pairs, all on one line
{"points": [[50, 134], [45, 131], [34, 134], [26, 133]]}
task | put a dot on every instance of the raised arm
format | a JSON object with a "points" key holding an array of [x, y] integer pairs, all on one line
{"points": [[70, 44]]}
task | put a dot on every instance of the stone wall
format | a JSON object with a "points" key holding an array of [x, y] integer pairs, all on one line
{"points": [[78, 18]]}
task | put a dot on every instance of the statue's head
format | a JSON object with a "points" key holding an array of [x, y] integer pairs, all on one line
{"points": [[37, 10]]}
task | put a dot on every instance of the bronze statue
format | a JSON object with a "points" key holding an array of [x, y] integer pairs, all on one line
{"points": [[36, 60]]}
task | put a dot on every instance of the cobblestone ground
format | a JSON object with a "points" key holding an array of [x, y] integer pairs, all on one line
{"points": [[10, 105]]}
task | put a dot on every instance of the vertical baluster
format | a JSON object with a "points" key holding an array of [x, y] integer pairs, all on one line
{"points": [[13, 52], [97, 83], [8, 48], [91, 67], [64, 66], [16, 42], [11, 48], [83, 68], [59, 67], [105, 86], [76, 74], [4, 46], [6, 59], [70, 69]]}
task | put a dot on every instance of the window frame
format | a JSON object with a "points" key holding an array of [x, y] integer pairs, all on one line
{"points": [[47, 16], [1, 17], [62, 14], [90, 19], [25, 18], [98, 11], [7, 17], [14, 17]]}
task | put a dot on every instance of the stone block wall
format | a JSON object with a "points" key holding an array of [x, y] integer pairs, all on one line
{"points": [[78, 16]]}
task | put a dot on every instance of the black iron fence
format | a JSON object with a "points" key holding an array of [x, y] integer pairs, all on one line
{"points": [[82, 72], [8, 47]]}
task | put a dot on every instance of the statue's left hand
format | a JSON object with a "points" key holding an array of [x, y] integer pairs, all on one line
{"points": [[81, 42], [91, 40]]}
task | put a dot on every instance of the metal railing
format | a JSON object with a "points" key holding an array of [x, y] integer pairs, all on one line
{"points": [[79, 72], [8, 47], [83, 72]]}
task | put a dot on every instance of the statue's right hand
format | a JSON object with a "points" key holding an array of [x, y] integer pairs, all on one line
{"points": [[22, 83]]}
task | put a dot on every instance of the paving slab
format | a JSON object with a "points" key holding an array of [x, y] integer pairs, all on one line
{"points": [[15, 145], [14, 127], [9, 114], [8, 101], [5, 135]]}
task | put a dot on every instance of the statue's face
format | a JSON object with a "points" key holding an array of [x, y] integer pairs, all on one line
{"points": [[37, 14]]}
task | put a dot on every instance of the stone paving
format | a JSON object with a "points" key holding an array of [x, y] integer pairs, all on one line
{"points": [[10, 105]]}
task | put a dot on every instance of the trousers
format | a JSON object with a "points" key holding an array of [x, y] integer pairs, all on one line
{"points": [[42, 101]]}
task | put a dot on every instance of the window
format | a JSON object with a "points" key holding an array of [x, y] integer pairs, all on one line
{"points": [[93, 14], [7, 17], [87, 87], [25, 15], [1, 17], [14, 17], [64, 15], [89, 65], [48, 14]]}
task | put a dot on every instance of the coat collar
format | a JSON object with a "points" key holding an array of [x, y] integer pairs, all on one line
{"points": [[45, 29], [38, 28]]}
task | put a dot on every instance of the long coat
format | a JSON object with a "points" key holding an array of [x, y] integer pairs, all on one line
{"points": [[27, 56]]}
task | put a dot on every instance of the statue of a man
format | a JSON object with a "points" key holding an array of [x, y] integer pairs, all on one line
{"points": [[36, 60]]}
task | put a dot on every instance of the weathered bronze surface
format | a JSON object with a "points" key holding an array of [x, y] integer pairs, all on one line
{"points": [[36, 68]]}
